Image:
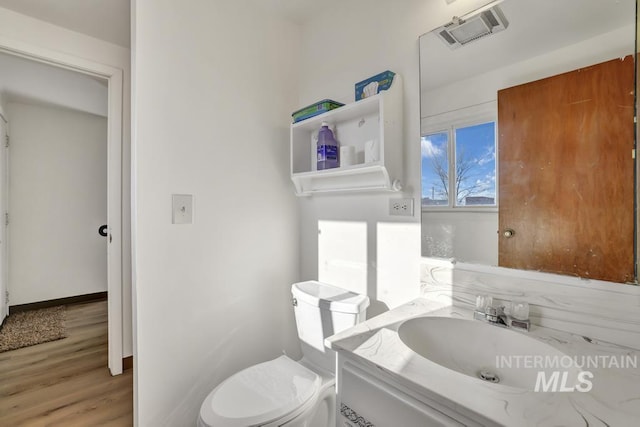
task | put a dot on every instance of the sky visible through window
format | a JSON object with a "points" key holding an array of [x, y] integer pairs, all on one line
{"points": [[475, 166]]}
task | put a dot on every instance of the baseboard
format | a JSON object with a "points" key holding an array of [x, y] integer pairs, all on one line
{"points": [[98, 296], [127, 363]]}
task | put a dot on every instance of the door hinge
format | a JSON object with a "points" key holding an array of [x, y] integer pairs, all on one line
{"points": [[6, 140], [6, 218], [6, 299]]}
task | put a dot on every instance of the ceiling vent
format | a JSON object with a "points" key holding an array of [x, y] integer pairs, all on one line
{"points": [[460, 31]]}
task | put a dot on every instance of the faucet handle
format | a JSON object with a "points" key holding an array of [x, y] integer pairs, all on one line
{"points": [[520, 310], [483, 302]]}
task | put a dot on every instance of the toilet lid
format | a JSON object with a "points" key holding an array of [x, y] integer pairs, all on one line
{"points": [[260, 394]]}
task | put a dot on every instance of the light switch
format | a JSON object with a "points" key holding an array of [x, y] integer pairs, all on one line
{"points": [[182, 207]]}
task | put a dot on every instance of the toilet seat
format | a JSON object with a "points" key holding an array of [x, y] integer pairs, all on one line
{"points": [[260, 394]]}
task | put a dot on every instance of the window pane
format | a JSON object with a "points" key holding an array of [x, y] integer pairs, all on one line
{"points": [[435, 169], [475, 148]]}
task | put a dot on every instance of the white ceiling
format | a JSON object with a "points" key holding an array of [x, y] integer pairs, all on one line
{"points": [[297, 11], [108, 20], [535, 27]]}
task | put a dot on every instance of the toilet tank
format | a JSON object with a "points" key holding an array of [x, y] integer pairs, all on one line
{"points": [[322, 310]]}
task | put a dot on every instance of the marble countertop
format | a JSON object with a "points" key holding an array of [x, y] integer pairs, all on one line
{"points": [[614, 399]]}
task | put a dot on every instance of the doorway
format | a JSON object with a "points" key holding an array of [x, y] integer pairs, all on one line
{"points": [[58, 182], [113, 78]]}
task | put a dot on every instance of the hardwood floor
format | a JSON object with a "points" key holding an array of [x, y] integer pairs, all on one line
{"points": [[66, 382]]}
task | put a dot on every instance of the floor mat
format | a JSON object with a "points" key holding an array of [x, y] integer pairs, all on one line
{"points": [[33, 327]]}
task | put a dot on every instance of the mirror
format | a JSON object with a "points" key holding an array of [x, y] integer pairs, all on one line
{"points": [[528, 138]]}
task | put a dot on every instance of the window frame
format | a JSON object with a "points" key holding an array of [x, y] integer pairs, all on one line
{"points": [[448, 123]]}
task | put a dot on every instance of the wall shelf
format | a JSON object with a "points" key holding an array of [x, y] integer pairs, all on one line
{"points": [[378, 119]]}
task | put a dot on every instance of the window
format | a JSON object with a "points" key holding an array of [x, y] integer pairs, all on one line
{"points": [[470, 152]]}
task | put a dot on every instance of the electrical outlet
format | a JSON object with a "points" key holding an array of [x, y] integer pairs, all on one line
{"points": [[401, 207]]}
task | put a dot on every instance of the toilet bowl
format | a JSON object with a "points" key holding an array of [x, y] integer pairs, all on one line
{"points": [[283, 391]]}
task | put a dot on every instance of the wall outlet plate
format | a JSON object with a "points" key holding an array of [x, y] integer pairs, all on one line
{"points": [[182, 208], [401, 207]]}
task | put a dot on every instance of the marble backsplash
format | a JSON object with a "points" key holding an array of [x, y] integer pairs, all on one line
{"points": [[602, 311]]}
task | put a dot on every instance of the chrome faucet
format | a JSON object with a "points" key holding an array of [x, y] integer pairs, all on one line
{"points": [[495, 315]]}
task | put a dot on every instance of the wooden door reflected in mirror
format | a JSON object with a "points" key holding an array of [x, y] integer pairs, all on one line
{"points": [[565, 149]]}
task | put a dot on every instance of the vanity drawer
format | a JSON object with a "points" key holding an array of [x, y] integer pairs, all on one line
{"points": [[368, 402]]}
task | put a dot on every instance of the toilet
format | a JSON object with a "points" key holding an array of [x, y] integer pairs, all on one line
{"points": [[283, 391]]}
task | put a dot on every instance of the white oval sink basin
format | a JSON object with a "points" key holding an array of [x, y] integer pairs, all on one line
{"points": [[488, 353]]}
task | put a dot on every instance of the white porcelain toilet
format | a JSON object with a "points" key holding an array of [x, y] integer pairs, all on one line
{"points": [[283, 391]]}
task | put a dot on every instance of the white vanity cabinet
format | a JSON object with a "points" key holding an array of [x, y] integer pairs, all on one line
{"points": [[373, 125], [369, 398]]}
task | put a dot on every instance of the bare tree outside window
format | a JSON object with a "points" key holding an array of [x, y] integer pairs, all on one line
{"points": [[474, 182]]}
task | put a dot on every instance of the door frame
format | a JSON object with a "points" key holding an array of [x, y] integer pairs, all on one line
{"points": [[114, 78], [4, 202]]}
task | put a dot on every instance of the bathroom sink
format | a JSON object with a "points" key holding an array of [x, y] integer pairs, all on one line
{"points": [[488, 353]]}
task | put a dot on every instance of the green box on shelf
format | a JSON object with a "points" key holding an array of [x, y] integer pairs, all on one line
{"points": [[315, 109]]}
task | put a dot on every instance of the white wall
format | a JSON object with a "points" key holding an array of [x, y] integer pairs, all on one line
{"points": [[466, 236], [373, 36], [483, 88], [28, 81], [214, 87], [33, 32], [58, 200], [332, 62]]}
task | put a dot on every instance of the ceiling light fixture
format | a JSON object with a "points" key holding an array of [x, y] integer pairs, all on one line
{"points": [[461, 31]]}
